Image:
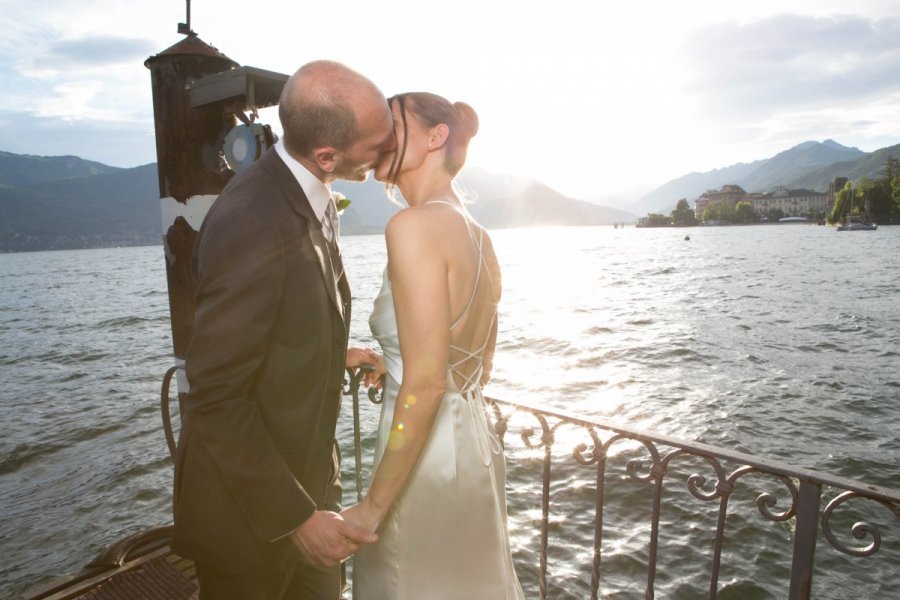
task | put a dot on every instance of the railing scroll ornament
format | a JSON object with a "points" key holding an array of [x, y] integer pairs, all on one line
{"points": [[860, 530], [804, 487]]}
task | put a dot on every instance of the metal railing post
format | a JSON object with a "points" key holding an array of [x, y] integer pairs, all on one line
{"points": [[545, 517], [805, 530]]}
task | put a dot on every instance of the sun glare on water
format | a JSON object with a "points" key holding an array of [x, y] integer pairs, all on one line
{"points": [[561, 318]]}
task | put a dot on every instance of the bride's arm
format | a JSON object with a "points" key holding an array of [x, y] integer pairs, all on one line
{"points": [[418, 272]]}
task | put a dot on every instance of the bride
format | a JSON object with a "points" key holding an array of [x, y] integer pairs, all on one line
{"points": [[437, 497]]}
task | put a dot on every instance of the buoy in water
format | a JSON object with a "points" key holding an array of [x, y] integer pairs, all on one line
{"points": [[687, 238]]}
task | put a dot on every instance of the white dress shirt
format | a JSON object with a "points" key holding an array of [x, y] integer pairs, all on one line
{"points": [[318, 193]]}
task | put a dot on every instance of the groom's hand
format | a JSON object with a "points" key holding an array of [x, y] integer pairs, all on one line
{"points": [[358, 357], [325, 539], [361, 356]]}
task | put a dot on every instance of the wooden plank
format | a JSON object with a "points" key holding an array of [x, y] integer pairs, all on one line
{"points": [[74, 588]]}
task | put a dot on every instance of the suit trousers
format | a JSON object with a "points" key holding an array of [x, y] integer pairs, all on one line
{"points": [[304, 582]]}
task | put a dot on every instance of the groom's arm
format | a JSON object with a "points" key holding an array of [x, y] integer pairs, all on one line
{"points": [[241, 266]]}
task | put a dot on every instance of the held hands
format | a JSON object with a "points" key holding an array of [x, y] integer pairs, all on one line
{"points": [[325, 539], [358, 357], [362, 514]]}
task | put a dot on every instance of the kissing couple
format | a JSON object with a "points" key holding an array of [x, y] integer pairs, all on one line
{"points": [[257, 475]]}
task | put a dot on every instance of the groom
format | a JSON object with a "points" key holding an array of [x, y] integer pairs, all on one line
{"points": [[257, 467]]}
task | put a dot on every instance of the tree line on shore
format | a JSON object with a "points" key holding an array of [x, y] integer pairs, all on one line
{"points": [[880, 195]]}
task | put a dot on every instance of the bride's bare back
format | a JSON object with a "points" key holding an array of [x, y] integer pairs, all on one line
{"points": [[474, 285]]}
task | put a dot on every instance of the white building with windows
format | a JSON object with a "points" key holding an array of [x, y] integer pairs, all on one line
{"points": [[793, 203]]}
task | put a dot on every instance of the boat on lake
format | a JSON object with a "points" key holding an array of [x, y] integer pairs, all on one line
{"points": [[857, 226], [863, 223]]}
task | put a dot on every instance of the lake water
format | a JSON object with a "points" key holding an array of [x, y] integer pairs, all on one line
{"points": [[780, 341]]}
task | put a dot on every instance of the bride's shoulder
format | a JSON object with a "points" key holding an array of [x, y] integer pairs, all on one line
{"points": [[410, 224], [410, 220]]}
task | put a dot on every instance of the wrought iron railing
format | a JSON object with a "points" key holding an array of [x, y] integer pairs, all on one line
{"points": [[805, 490]]}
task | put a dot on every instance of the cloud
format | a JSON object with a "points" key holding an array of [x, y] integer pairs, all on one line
{"points": [[84, 56], [790, 62], [116, 144], [97, 51], [98, 79]]}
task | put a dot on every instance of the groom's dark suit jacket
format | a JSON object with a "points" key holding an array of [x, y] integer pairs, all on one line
{"points": [[256, 453]]}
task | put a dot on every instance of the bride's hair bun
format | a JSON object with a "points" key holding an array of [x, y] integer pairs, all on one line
{"points": [[468, 119]]}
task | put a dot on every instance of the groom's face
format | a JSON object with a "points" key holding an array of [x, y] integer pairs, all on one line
{"points": [[376, 128]]}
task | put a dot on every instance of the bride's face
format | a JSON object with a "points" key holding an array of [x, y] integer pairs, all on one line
{"points": [[416, 143]]}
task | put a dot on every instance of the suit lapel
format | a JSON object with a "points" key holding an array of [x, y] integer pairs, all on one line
{"points": [[344, 287], [297, 198]]}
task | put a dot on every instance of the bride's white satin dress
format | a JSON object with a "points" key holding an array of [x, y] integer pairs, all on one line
{"points": [[445, 538]]}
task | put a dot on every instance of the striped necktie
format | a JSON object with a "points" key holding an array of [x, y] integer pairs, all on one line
{"points": [[331, 227], [330, 224]]}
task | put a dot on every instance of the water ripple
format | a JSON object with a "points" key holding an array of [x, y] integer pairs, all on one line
{"points": [[739, 339]]}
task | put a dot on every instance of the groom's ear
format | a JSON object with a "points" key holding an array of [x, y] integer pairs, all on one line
{"points": [[325, 158], [439, 135]]}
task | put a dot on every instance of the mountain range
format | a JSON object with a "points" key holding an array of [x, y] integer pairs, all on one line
{"points": [[810, 165], [496, 201], [65, 202]]}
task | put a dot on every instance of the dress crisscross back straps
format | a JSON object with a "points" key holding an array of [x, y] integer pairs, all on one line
{"points": [[471, 378]]}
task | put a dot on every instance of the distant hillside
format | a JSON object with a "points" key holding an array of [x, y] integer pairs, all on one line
{"points": [[787, 168], [537, 204], [797, 162], [369, 209], [664, 198], [118, 208], [99, 206], [498, 201], [23, 169], [869, 165]]}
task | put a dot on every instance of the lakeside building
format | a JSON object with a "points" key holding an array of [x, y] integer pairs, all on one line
{"points": [[732, 194], [792, 203]]}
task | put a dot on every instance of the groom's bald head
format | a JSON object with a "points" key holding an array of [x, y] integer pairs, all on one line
{"points": [[325, 103]]}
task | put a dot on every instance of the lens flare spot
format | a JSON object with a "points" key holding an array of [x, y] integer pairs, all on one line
{"points": [[399, 426], [396, 440], [410, 400]]}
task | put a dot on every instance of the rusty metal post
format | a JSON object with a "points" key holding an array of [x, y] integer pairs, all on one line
{"points": [[805, 530], [188, 142]]}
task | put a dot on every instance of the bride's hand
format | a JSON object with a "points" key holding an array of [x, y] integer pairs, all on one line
{"points": [[362, 515]]}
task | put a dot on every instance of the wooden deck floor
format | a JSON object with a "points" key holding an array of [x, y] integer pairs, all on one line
{"points": [[141, 567]]}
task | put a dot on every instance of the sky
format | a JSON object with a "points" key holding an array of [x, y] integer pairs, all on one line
{"points": [[602, 101]]}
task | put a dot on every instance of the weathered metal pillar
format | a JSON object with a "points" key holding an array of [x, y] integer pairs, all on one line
{"points": [[198, 96], [190, 175]]}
